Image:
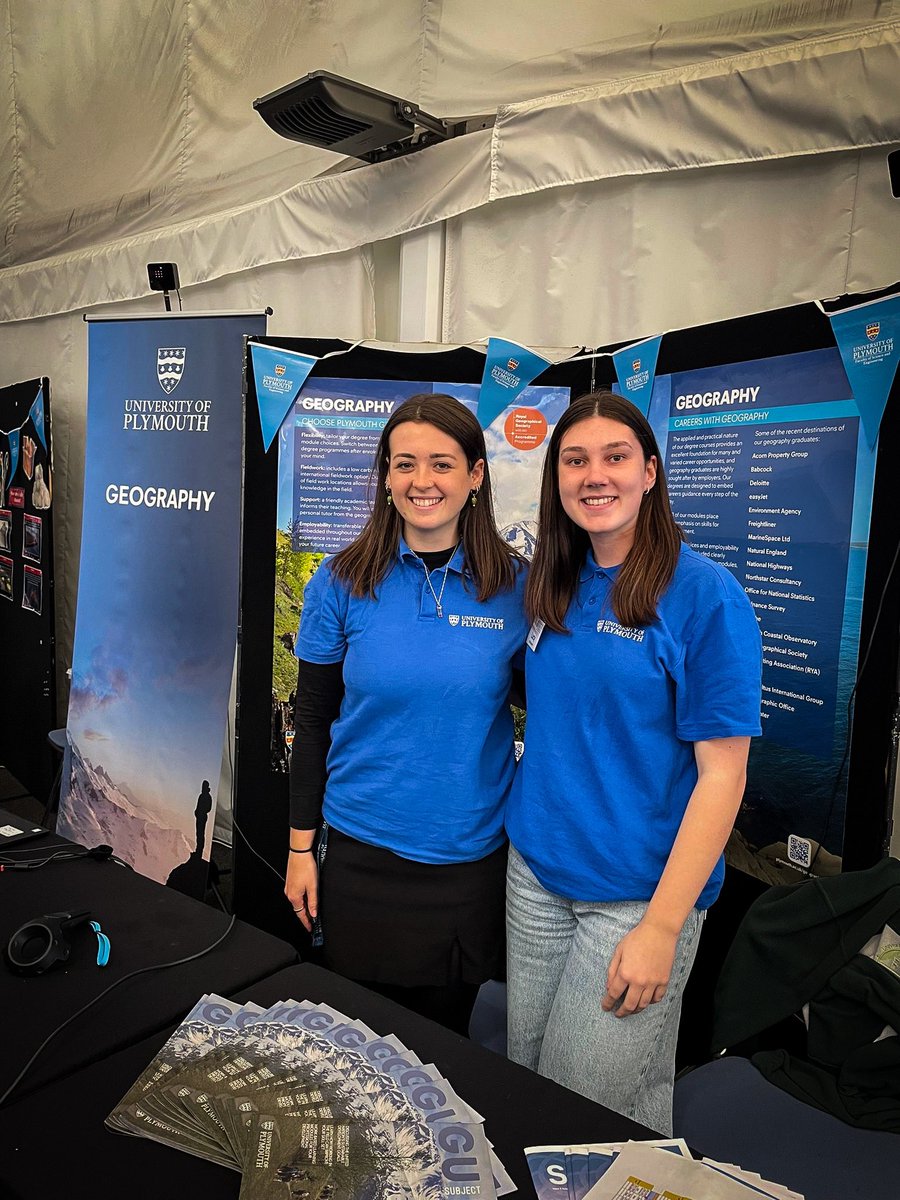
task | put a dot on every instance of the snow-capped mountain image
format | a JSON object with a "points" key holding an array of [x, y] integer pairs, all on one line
{"points": [[97, 810], [521, 536]]}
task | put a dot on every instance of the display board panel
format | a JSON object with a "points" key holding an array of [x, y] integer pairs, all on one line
{"points": [[852, 581], [28, 701], [770, 474]]}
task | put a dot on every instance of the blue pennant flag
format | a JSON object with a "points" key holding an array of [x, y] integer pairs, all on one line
{"points": [[636, 369], [37, 417], [13, 436], [279, 375], [868, 338], [508, 370]]}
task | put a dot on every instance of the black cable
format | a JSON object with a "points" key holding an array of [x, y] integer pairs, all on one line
{"points": [[252, 850], [218, 896], [31, 864], [178, 962], [6, 861], [850, 702], [240, 831], [101, 853]]}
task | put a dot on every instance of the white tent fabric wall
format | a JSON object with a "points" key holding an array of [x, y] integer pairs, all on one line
{"points": [[816, 95], [808, 97], [620, 259], [722, 188], [122, 118], [318, 217]]}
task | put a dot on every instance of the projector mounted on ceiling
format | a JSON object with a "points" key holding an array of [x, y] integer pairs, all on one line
{"points": [[349, 118]]}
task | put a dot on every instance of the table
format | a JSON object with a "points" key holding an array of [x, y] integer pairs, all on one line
{"points": [[520, 1108], [147, 924]]}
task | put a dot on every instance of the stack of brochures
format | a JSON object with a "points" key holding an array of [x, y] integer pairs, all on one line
{"points": [[306, 1102], [642, 1171]]}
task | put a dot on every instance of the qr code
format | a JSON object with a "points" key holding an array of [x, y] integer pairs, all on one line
{"points": [[799, 850]]}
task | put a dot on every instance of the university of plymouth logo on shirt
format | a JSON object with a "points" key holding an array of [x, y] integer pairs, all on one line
{"points": [[475, 622], [623, 631]]}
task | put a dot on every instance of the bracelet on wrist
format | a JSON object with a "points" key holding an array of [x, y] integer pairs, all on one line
{"points": [[308, 850]]}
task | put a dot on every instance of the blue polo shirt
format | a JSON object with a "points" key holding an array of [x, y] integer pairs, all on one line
{"points": [[613, 714], [421, 758]]}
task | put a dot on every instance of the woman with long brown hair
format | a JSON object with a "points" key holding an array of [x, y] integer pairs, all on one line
{"points": [[643, 679], [404, 738]]}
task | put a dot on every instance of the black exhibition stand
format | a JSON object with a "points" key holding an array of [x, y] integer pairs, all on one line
{"points": [[27, 625], [52, 1138]]}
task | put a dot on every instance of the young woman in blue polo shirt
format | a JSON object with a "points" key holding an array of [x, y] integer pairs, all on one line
{"points": [[404, 738], [643, 678]]}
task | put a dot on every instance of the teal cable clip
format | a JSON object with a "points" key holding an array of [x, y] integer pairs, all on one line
{"points": [[102, 944]]}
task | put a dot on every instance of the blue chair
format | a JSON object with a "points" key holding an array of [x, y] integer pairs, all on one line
{"points": [[818, 1108], [728, 1111], [488, 1024]]}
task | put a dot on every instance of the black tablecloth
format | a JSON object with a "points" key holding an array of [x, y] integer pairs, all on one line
{"points": [[146, 924], [54, 1143]]}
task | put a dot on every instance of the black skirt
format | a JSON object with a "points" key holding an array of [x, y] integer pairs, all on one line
{"points": [[390, 920]]}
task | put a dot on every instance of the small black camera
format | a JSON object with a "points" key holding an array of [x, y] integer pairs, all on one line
{"points": [[163, 277]]}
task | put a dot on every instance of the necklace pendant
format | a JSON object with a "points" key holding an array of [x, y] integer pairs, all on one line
{"points": [[439, 595]]}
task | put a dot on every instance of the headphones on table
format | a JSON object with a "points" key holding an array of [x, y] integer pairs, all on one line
{"points": [[40, 944]]}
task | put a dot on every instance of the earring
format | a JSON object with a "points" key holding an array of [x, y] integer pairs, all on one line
{"points": [[390, 498], [473, 497], [646, 491]]}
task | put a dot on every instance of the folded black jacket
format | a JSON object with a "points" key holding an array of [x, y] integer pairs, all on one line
{"points": [[800, 944]]}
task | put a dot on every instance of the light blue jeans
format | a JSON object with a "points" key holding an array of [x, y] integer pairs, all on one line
{"points": [[558, 954]]}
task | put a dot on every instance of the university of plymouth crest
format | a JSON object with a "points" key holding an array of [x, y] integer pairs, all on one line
{"points": [[170, 367]]}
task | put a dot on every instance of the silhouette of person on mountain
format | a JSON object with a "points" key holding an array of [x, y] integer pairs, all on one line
{"points": [[201, 812]]}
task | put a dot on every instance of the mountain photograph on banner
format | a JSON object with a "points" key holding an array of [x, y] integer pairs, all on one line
{"points": [[156, 622]]}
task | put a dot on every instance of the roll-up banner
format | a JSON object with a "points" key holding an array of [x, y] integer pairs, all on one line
{"points": [[770, 472], [156, 623]]}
